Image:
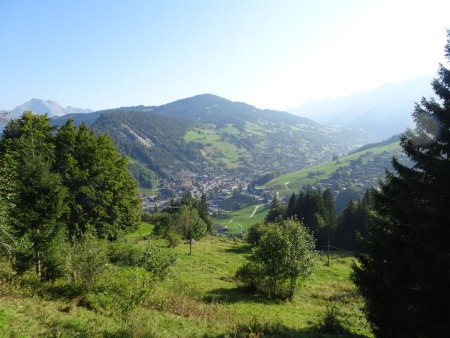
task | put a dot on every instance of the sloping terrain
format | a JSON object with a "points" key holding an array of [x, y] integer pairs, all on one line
{"points": [[357, 170], [208, 133]]}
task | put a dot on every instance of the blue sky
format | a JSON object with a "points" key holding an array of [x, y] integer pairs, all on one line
{"points": [[272, 54]]}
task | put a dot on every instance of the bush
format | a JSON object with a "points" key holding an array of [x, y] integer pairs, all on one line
{"points": [[158, 261], [88, 260], [118, 290], [284, 254], [173, 239], [255, 233], [124, 253], [331, 321]]}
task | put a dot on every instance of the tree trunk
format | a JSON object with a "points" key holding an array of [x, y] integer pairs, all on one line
{"points": [[38, 264]]}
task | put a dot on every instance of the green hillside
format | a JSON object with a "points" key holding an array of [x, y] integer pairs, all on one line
{"points": [[362, 168], [242, 219], [200, 300], [207, 133]]}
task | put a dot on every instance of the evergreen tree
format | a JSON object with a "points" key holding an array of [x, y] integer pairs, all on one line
{"points": [[405, 278], [291, 210], [36, 217], [102, 196], [277, 211], [8, 170], [204, 214]]}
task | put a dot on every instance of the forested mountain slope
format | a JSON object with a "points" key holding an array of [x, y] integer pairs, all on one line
{"points": [[207, 132]]}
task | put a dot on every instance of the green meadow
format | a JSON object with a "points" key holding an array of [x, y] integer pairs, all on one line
{"points": [[200, 300]]}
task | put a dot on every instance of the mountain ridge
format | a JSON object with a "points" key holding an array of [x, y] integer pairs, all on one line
{"points": [[41, 107], [382, 111]]}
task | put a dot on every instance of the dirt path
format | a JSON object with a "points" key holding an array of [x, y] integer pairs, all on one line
{"points": [[254, 211]]}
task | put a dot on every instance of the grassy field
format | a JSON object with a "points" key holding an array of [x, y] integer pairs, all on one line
{"points": [[200, 300], [293, 182], [216, 148], [234, 219]]}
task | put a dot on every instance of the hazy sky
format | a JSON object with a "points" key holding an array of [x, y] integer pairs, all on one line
{"points": [[272, 54]]}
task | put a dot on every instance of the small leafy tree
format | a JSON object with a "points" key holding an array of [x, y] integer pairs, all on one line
{"points": [[189, 224], [284, 254], [158, 261], [88, 260]]}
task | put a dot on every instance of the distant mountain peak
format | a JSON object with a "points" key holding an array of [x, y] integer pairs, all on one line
{"points": [[49, 107]]}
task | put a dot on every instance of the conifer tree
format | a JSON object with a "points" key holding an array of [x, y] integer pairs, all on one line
{"points": [[102, 196], [405, 278], [291, 212], [36, 216]]}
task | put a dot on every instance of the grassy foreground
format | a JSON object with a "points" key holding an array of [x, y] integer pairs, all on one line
{"points": [[201, 300]]}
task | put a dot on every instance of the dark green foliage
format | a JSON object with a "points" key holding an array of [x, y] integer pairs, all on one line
{"points": [[164, 222], [143, 176], [188, 223], [276, 214], [283, 255], [352, 225], [36, 217], [291, 207], [255, 232], [405, 278], [102, 197], [8, 171], [149, 138], [70, 181], [344, 197], [277, 211], [122, 252], [316, 210]]}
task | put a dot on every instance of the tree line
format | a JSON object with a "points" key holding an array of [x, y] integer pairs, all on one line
{"points": [[316, 210], [59, 184]]}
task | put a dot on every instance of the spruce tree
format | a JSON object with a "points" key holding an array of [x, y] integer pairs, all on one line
{"points": [[102, 196], [36, 217], [405, 278], [291, 208]]}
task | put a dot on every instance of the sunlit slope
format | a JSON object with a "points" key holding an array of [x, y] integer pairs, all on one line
{"points": [[266, 145], [376, 156], [242, 219]]}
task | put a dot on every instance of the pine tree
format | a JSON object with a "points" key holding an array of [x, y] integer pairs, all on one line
{"points": [[405, 278]]}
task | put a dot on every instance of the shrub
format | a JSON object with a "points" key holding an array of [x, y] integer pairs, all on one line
{"points": [[331, 321], [173, 239], [284, 254], [255, 233], [124, 253], [88, 260], [158, 261], [118, 290]]}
